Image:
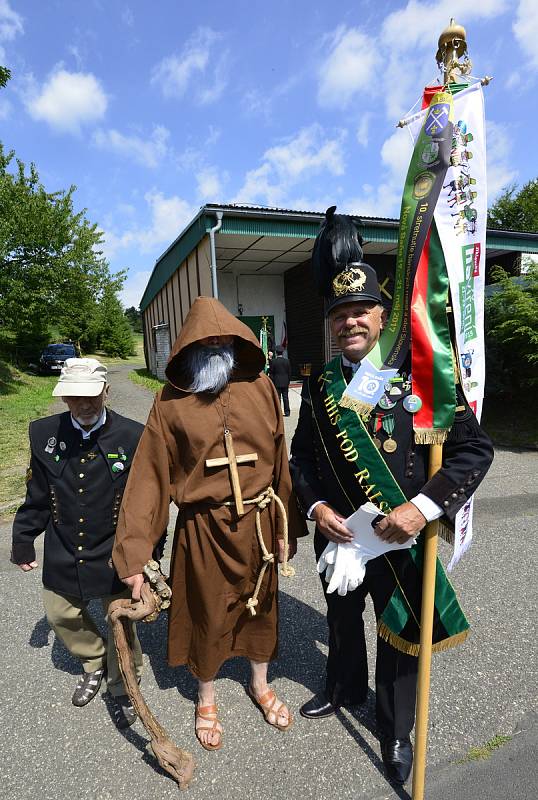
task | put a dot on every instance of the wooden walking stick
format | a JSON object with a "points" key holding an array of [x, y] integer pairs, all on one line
{"points": [[154, 595]]}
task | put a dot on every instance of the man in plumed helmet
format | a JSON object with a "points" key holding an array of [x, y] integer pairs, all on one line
{"points": [[333, 476]]}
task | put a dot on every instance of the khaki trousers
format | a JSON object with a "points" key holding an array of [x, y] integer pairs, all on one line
{"points": [[71, 622]]}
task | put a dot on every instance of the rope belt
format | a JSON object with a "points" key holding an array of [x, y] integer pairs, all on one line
{"points": [[261, 502]]}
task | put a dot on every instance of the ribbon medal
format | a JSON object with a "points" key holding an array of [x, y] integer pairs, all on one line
{"points": [[389, 445]]}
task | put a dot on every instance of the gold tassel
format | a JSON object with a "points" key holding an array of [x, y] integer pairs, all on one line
{"points": [[360, 408], [412, 648], [430, 436], [446, 533]]}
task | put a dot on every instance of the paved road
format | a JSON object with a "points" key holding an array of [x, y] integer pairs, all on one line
{"points": [[484, 688]]}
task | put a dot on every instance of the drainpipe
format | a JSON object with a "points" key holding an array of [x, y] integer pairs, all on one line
{"points": [[212, 233]]}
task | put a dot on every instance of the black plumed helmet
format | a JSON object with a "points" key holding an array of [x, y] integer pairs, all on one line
{"points": [[339, 272]]}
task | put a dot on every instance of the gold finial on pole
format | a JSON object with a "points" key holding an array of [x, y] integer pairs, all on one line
{"points": [[451, 48]]}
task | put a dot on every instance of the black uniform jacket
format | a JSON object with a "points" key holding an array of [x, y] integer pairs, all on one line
{"points": [[74, 493], [467, 454], [280, 372]]}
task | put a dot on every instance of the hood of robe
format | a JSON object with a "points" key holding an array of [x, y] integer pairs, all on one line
{"points": [[208, 317]]}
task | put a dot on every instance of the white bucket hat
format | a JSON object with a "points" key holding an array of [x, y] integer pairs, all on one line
{"points": [[80, 377]]}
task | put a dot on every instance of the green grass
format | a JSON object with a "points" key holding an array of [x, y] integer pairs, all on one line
{"points": [[484, 751], [511, 423], [137, 358], [24, 397], [145, 378]]}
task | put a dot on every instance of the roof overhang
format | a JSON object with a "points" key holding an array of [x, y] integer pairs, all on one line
{"points": [[270, 241]]}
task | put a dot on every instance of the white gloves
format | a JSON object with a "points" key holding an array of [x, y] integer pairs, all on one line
{"points": [[345, 564]]}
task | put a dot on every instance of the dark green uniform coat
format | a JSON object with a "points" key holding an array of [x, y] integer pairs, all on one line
{"points": [[74, 492]]}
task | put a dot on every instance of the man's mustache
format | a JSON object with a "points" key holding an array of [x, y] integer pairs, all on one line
{"points": [[352, 332]]}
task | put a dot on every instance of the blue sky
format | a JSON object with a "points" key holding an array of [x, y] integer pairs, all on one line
{"points": [[153, 109]]}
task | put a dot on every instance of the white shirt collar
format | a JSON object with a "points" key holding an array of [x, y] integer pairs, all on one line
{"points": [[347, 363], [86, 434]]}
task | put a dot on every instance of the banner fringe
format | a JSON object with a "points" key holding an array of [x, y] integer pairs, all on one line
{"points": [[430, 435], [361, 408], [445, 532], [412, 648]]}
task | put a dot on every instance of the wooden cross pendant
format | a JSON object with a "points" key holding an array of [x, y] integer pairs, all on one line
{"points": [[231, 462]]}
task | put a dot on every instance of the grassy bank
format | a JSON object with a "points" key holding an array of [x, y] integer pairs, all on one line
{"points": [[144, 378], [137, 358], [23, 397]]}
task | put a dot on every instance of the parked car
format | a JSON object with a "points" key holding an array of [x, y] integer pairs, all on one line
{"points": [[53, 356]]}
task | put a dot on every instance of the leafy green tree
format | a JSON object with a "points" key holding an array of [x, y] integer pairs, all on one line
{"points": [[135, 318], [512, 332], [5, 76], [115, 333], [51, 268], [516, 210]]}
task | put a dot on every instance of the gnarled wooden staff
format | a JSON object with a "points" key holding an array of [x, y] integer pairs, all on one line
{"points": [[154, 595]]}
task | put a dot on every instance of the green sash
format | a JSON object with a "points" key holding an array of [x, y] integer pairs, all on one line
{"points": [[362, 473]]}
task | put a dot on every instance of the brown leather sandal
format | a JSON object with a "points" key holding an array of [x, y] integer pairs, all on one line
{"points": [[208, 714], [266, 704]]}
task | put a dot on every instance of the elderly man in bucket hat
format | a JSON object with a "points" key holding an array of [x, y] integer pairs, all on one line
{"points": [[79, 465]]}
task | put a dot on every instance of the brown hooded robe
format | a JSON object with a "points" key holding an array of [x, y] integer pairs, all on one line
{"points": [[216, 556]]}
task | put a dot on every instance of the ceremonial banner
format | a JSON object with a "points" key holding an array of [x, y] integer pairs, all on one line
{"points": [[460, 223], [425, 179]]}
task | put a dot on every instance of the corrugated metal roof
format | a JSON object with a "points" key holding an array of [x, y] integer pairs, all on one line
{"points": [[257, 220]]}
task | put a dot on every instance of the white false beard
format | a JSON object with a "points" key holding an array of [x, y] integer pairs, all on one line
{"points": [[210, 367]]}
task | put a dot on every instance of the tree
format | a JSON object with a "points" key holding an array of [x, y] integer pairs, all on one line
{"points": [[115, 333], [512, 332], [516, 210], [5, 76], [135, 318], [51, 268]]}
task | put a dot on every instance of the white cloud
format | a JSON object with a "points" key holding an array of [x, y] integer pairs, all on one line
{"points": [[308, 153], [134, 288], [416, 24], [148, 152], [384, 199], [526, 30], [500, 174], [196, 63], [210, 184], [168, 215], [363, 128], [68, 100], [10, 22], [5, 108], [349, 68]]}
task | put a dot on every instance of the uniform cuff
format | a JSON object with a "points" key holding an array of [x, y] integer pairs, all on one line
{"points": [[312, 507], [22, 553], [428, 508]]}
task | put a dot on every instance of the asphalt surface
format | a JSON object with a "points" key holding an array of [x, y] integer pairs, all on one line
{"points": [[486, 687]]}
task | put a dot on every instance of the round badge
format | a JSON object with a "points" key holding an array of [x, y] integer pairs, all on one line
{"points": [[395, 391], [118, 466], [62, 446], [385, 402], [412, 403], [51, 442]]}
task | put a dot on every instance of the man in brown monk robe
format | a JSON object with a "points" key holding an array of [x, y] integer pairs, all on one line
{"points": [[213, 444]]}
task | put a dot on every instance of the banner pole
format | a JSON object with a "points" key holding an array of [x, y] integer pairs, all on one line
{"points": [[426, 635]]}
